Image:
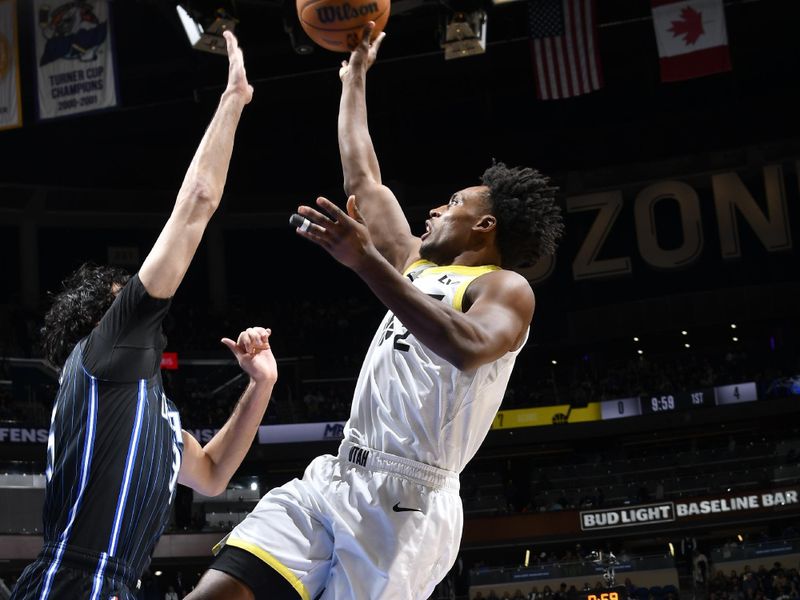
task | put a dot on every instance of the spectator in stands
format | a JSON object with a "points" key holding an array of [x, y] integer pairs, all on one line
{"points": [[794, 592], [764, 580], [149, 588], [734, 584], [718, 584], [631, 589], [561, 594], [660, 490], [749, 583], [790, 531], [572, 593], [313, 401], [728, 548], [179, 587], [643, 495], [700, 563]]}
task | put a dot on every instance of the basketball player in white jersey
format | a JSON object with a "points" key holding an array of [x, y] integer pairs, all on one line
{"points": [[383, 519]]}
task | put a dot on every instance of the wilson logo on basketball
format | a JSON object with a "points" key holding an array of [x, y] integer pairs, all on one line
{"points": [[345, 12]]}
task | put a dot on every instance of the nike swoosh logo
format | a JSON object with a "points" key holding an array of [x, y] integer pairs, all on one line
{"points": [[398, 508]]}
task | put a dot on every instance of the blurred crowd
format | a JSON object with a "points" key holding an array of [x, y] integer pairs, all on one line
{"points": [[777, 583], [322, 344]]}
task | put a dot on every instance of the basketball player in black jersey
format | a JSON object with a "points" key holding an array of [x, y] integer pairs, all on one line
{"points": [[116, 448]]}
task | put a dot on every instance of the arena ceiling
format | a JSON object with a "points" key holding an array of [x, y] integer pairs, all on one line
{"points": [[436, 123]]}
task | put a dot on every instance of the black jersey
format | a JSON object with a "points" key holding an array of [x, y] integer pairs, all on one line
{"points": [[114, 450]]}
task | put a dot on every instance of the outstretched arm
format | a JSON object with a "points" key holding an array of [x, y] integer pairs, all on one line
{"points": [[500, 303], [201, 191], [209, 469], [362, 176]]}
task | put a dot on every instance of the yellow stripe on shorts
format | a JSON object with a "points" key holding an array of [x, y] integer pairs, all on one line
{"points": [[273, 562]]}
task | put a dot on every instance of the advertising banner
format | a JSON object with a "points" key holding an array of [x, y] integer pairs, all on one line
{"points": [[10, 109]]}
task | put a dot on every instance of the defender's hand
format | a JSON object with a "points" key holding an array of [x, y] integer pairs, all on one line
{"points": [[252, 351], [345, 237], [237, 77], [365, 54]]}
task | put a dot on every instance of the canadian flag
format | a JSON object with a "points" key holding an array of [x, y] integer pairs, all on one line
{"points": [[692, 39]]}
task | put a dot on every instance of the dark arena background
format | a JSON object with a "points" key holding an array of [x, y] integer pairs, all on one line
{"points": [[654, 412]]}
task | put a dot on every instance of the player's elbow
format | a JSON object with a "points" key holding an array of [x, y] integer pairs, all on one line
{"points": [[351, 186], [465, 361], [213, 486], [468, 352], [359, 183], [204, 475], [461, 357], [217, 489]]}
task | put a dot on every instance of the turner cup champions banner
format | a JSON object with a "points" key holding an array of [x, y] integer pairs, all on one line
{"points": [[10, 110], [74, 57]]}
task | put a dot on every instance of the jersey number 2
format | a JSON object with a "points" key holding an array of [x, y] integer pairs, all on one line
{"points": [[402, 333]]}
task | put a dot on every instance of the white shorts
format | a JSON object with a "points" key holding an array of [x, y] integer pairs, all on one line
{"points": [[363, 525]]}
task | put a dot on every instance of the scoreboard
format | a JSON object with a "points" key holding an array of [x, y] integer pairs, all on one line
{"points": [[658, 403], [667, 401], [655, 403]]}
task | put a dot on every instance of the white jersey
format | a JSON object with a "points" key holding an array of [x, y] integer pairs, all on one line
{"points": [[411, 402]]}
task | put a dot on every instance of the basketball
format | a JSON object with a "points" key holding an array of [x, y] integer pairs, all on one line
{"points": [[336, 24]]}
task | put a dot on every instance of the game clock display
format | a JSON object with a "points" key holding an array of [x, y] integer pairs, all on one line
{"points": [[671, 402], [615, 593]]}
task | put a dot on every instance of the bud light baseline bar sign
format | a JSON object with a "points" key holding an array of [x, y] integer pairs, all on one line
{"points": [[75, 70], [664, 512]]}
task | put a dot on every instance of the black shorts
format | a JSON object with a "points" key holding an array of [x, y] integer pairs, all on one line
{"points": [[264, 581], [65, 583]]}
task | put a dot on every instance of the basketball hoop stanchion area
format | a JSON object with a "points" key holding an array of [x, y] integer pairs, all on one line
{"points": [[610, 591]]}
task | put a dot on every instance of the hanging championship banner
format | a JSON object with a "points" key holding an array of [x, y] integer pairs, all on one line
{"points": [[10, 109], [74, 57]]}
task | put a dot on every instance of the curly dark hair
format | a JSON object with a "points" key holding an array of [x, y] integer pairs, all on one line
{"points": [[85, 297], [529, 222]]}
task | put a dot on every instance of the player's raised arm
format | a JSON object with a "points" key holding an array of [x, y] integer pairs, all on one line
{"points": [[208, 469], [201, 191], [382, 213]]}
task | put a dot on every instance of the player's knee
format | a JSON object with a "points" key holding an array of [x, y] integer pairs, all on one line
{"points": [[216, 585]]}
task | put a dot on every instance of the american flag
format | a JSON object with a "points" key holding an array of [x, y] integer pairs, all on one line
{"points": [[564, 46]]}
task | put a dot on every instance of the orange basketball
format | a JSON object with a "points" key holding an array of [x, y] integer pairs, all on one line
{"points": [[337, 24]]}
